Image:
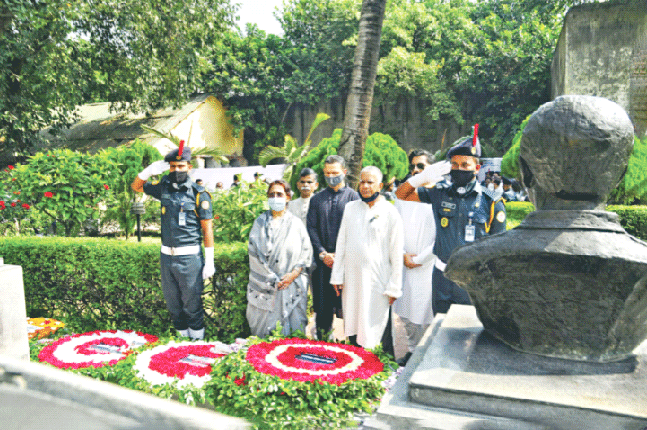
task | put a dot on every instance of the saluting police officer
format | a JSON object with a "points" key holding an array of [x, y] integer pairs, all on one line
{"points": [[186, 220], [464, 211]]}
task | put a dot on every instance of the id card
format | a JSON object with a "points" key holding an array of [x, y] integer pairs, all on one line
{"points": [[470, 233], [182, 218]]}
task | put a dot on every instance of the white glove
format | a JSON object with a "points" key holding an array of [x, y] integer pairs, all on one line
{"points": [[156, 168], [209, 269], [432, 173]]}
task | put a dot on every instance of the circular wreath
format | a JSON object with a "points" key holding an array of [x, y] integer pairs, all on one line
{"points": [[189, 362], [310, 360], [93, 349], [42, 327]]}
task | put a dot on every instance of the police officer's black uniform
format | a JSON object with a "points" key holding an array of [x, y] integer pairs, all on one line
{"points": [[183, 206], [462, 214]]}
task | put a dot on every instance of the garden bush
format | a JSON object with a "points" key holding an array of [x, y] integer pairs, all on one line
{"points": [[97, 284], [381, 151], [632, 218], [235, 209]]}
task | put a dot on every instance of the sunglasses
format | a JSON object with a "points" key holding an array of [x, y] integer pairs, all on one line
{"points": [[420, 166]]}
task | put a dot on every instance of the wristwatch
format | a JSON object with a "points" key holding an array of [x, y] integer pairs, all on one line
{"points": [[322, 255]]}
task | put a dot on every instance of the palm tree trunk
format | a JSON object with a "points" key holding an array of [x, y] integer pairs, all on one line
{"points": [[360, 99]]}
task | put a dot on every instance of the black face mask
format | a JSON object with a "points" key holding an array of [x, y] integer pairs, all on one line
{"points": [[178, 177], [460, 178], [369, 199]]}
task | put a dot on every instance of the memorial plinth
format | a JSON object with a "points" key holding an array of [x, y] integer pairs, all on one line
{"points": [[462, 378], [13, 316]]}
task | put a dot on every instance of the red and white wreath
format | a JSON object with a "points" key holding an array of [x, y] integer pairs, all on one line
{"points": [[93, 349], [310, 360], [188, 362]]}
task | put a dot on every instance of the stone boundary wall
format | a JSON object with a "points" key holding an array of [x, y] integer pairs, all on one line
{"points": [[602, 51], [404, 120]]}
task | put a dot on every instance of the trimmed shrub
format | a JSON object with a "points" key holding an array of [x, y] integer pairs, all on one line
{"points": [[97, 284], [381, 151], [518, 210], [632, 218]]}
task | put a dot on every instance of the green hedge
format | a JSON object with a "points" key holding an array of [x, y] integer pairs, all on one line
{"points": [[632, 218], [93, 284]]}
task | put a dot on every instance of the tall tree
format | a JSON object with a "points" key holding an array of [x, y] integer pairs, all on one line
{"points": [[357, 116], [57, 54]]}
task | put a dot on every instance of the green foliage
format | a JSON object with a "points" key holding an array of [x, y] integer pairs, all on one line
{"points": [[633, 187], [517, 212], [380, 151], [632, 218], [235, 209], [129, 160], [66, 185], [510, 161], [291, 153], [98, 284], [260, 77], [273, 403], [57, 54]]}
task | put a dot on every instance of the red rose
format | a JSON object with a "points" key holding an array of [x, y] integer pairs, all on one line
{"points": [[13, 179], [49, 194], [1, 202], [10, 167], [25, 206], [13, 204], [216, 217], [106, 186]]}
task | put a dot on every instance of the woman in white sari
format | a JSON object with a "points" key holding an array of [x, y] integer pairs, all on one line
{"points": [[279, 254]]}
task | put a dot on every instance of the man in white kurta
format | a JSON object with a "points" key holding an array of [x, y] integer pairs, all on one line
{"points": [[414, 307], [368, 263]]}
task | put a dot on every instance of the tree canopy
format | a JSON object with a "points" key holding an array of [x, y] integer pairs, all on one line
{"points": [[141, 54]]}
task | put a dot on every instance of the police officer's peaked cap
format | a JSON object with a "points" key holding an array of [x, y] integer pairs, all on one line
{"points": [[465, 147], [174, 155], [506, 180]]}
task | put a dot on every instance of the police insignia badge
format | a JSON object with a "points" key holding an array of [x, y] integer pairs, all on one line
{"points": [[205, 204], [156, 182], [444, 222], [163, 210], [500, 216]]}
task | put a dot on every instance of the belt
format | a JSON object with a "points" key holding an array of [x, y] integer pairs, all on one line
{"points": [[181, 250], [440, 265]]}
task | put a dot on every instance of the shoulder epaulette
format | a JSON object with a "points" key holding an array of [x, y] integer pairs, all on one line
{"points": [[489, 193]]}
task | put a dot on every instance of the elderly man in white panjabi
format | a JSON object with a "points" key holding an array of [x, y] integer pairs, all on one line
{"points": [[368, 264]]}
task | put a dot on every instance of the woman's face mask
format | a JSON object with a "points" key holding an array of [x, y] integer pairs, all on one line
{"points": [[277, 204]]}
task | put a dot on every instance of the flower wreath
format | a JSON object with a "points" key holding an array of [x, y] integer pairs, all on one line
{"points": [[42, 327], [93, 349], [310, 360], [189, 362]]}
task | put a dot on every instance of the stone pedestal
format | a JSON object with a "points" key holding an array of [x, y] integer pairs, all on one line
{"points": [[13, 316], [462, 378]]}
